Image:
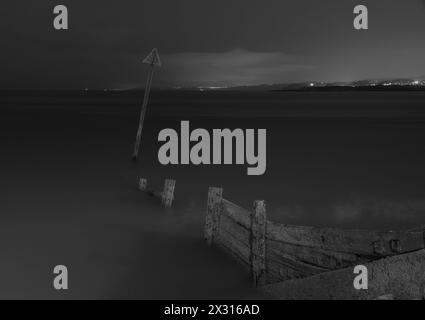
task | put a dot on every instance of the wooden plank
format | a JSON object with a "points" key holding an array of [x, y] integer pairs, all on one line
{"points": [[281, 267], [143, 186], [369, 243], [154, 193], [237, 213], [239, 232], [276, 273], [234, 246], [214, 210], [258, 245], [316, 256]]}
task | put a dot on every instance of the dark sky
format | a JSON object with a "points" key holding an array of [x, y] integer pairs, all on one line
{"points": [[208, 43]]}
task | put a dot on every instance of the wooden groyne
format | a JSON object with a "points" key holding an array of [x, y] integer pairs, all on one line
{"points": [[276, 252], [400, 277], [166, 195]]}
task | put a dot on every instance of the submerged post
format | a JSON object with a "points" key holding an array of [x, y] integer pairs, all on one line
{"points": [[214, 208], [258, 243], [153, 60], [167, 195], [143, 184]]}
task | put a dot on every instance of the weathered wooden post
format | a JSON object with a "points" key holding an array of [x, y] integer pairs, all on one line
{"points": [[214, 209], [167, 195], [143, 184], [258, 243]]}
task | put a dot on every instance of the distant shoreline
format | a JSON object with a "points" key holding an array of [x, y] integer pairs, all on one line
{"points": [[346, 88], [377, 88]]}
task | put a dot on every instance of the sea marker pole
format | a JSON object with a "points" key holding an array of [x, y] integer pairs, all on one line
{"points": [[153, 60]]}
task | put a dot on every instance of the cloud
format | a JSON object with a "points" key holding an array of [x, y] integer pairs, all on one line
{"points": [[231, 68]]}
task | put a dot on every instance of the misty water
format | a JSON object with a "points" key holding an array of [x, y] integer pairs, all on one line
{"points": [[69, 189]]}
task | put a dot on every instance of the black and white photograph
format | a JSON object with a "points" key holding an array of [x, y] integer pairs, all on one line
{"points": [[209, 151]]}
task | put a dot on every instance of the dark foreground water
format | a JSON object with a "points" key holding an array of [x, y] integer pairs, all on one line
{"points": [[69, 190]]}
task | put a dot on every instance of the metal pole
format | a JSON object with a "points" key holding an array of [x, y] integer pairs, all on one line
{"points": [[143, 113]]}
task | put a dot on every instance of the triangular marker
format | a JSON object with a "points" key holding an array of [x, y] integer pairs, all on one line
{"points": [[153, 58]]}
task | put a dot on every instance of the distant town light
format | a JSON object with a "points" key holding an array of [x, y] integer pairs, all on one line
{"points": [[312, 84]]}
